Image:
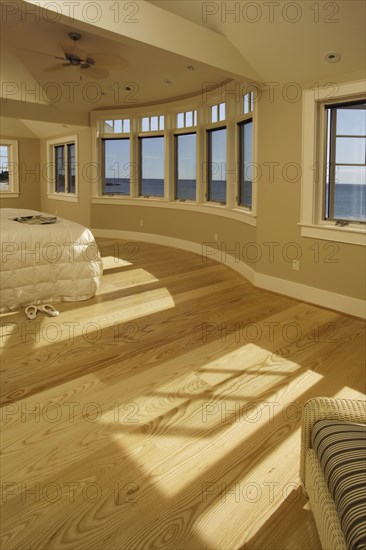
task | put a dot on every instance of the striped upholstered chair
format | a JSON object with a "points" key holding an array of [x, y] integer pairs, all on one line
{"points": [[333, 470]]}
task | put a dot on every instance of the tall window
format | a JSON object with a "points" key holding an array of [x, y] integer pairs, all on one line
{"points": [[345, 174], [185, 177], [4, 167], [65, 167], [216, 168], [152, 166], [116, 166], [245, 163], [9, 180]]}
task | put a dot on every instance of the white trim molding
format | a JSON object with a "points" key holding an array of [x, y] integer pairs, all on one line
{"points": [[305, 293], [311, 222], [51, 193], [13, 173]]}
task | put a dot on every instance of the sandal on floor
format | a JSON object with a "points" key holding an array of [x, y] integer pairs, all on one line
{"points": [[49, 309], [31, 312]]}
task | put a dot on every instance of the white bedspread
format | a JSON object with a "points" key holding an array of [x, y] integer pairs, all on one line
{"points": [[46, 263]]}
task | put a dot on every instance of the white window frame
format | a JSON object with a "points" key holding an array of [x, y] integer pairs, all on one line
{"points": [[13, 191], [311, 222], [51, 163]]}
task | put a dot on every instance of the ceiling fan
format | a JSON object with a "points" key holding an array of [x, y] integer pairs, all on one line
{"points": [[76, 57]]}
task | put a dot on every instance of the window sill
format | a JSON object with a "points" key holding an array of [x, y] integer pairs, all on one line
{"points": [[9, 194], [189, 206], [350, 235], [63, 197]]}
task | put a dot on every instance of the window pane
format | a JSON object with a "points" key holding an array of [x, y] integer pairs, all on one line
{"points": [[186, 167], [246, 164], [214, 113], [60, 169], [189, 120], [345, 184], [108, 127], [217, 165], [71, 167], [161, 122], [350, 150], [154, 123], [126, 125], [4, 168], [355, 175], [180, 120], [351, 121], [145, 124], [222, 111], [195, 117], [152, 166], [116, 169], [248, 103], [350, 201], [118, 126]]}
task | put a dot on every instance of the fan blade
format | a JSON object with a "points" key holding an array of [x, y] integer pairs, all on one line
{"points": [[93, 72], [57, 67], [69, 46], [109, 61]]}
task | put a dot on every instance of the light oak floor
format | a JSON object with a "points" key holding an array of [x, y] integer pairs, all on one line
{"points": [[164, 413]]}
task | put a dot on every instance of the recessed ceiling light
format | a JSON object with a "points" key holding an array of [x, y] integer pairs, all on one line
{"points": [[332, 57], [168, 82], [190, 67]]}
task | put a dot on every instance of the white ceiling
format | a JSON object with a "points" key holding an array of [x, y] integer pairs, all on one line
{"points": [[286, 41], [257, 44]]}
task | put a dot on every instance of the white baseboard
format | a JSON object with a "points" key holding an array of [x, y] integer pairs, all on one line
{"points": [[317, 296]]}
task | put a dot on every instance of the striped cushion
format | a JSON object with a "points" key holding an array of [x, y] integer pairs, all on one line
{"points": [[341, 450]]}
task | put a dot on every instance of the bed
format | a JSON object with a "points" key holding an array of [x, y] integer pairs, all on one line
{"points": [[50, 261]]}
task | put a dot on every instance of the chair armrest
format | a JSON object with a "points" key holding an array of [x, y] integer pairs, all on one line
{"points": [[327, 408]]}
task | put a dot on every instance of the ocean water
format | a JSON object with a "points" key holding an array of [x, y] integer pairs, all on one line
{"points": [[349, 204], [350, 201], [186, 189]]}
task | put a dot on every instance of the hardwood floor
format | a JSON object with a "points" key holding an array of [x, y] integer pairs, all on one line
{"points": [[164, 413]]}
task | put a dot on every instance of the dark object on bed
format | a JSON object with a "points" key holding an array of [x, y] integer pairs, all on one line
{"points": [[36, 220]]}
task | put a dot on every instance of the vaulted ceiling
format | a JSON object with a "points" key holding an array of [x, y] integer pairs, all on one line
{"points": [[173, 48]]}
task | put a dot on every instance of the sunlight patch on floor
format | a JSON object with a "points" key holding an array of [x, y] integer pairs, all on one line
{"points": [[116, 319], [205, 421], [111, 262], [349, 393], [126, 279]]}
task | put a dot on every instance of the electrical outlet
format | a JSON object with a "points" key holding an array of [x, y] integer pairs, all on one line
{"points": [[296, 265], [141, 223]]}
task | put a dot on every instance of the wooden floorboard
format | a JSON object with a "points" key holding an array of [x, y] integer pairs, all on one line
{"points": [[165, 412]]}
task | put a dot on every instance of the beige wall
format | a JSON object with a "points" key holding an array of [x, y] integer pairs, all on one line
{"points": [[331, 266], [29, 175], [196, 227]]}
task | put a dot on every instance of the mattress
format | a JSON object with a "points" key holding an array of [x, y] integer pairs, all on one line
{"points": [[45, 262]]}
